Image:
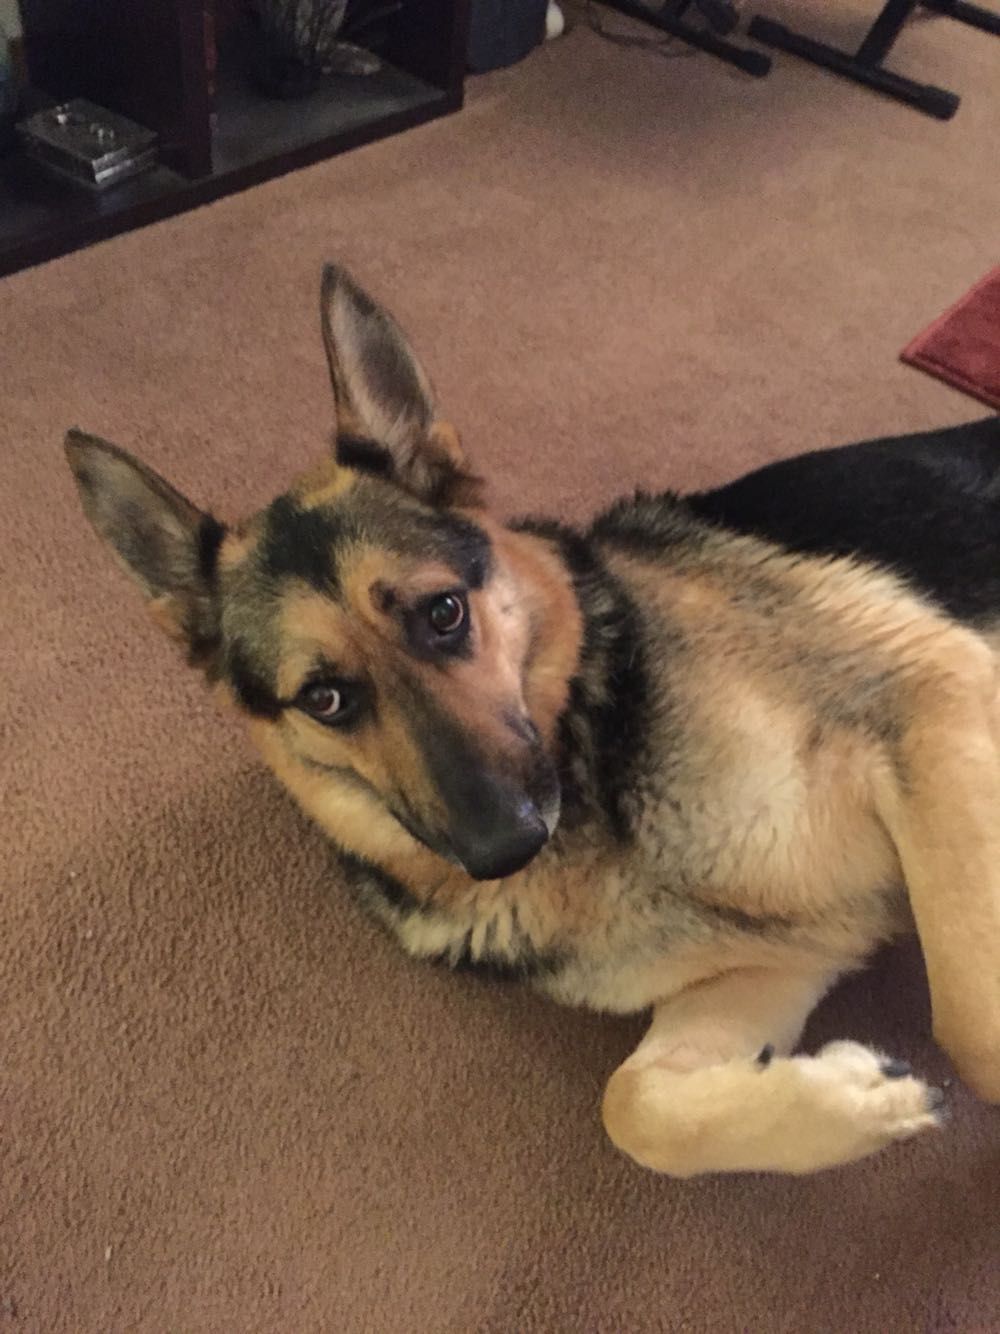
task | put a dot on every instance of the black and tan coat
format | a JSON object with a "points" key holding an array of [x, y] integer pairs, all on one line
{"points": [[660, 763]]}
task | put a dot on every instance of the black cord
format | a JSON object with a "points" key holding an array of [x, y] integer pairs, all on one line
{"points": [[671, 48]]}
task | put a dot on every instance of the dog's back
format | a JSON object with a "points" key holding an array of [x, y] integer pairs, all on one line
{"points": [[926, 506]]}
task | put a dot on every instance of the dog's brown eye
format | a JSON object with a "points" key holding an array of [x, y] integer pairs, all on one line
{"points": [[446, 614], [439, 626], [334, 702], [321, 701]]}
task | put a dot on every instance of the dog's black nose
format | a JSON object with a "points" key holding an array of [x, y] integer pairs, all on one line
{"points": [[503, 845]]}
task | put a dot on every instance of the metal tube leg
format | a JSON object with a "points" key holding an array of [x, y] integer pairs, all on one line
{"points": [[884, 31], [974, 15], [937, 102]]}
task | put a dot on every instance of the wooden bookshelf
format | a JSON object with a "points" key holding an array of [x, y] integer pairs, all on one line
{"points": [[149, 59]]}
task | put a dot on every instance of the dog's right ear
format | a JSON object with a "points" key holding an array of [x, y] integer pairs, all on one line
{"points": [[165, 543], [386, 417]]}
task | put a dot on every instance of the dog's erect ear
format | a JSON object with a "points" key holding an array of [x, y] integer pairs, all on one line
{"points": [[167, 545], [386, 421]]}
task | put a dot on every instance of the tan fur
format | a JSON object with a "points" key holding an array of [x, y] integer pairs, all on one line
{"points": [[942, 814], [323, 485], [236, 547], [167, 615], [554, 627]]}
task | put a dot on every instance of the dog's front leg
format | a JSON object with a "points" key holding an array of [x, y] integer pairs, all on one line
{"points": [[940, 800], [710, 1088]]}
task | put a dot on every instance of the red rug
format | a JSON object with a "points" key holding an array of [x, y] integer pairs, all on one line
{"points": [[962, 346]]}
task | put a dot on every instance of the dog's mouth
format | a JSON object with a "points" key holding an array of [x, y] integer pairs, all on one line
{"points": [[504, 846], [432, 842]]}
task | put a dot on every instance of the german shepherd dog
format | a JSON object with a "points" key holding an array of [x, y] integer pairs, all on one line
{"points": [[700, 758]]}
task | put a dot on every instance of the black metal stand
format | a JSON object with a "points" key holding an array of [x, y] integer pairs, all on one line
{"points": [[865, 65], [974, 15], [720, 16]]}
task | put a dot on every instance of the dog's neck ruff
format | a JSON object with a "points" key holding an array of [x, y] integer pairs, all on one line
{"points": [[599, 731]]}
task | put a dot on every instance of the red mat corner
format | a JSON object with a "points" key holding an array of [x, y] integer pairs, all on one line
{"points": [[962, 346]]}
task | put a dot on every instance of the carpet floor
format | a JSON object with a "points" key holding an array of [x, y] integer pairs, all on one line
{"points": [[228, 1104]]}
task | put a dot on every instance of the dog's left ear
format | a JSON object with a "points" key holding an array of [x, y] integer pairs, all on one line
{"points": [[165, 543], [386, 419]]}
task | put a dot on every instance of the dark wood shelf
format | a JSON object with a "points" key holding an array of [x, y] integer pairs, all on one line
{"points": [[255, 137], [42, 217], [252, 130]]}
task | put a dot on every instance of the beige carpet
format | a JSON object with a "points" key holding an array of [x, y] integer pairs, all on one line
{"points": [[227, 1104]]}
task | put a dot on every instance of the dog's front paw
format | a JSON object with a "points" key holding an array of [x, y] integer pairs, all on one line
{"points": [[770, 1114], [861, 1101]]}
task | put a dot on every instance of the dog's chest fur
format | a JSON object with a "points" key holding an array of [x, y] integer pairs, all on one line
{"points": [[721, 742]]}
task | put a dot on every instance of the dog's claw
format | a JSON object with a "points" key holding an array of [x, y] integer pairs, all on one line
{"points": [[764, 1058], [897, 1069]]}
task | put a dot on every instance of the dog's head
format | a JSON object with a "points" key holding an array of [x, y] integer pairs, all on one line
{"points": [[402, 658]]}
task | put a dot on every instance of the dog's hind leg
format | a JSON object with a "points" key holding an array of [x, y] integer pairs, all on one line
{"points": [[710, 1089], [940, 802]]}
